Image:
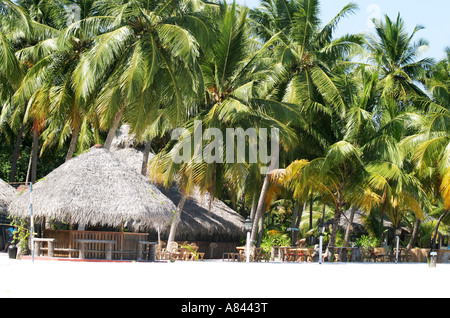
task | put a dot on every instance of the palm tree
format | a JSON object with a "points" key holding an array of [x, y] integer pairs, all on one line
{"points": [[232, 77], [429, 145], [305, 55], [144, 59], [11, 75], [393, 51], [23, 31]]}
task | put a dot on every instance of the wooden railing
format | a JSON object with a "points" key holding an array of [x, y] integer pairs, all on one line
{"points": [[67, 246]]}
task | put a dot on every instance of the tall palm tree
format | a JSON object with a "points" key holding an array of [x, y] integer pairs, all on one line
{"points": [[429, 145], [23, 32], [232, 77], [144, 60], [307, 57], [392, 50], [11, 75]]}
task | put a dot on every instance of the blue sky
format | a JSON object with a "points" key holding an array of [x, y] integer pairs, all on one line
{"points": [[434, 15]]}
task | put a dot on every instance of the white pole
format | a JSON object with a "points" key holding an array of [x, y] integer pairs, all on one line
{"points": [[396, 252], [31, 222], [320, 249], [248, 246]]}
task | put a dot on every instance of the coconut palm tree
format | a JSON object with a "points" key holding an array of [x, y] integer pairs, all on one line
{"points": [[393, 51], [23, 31], [305, 54], [146, 59], [232, 75]]}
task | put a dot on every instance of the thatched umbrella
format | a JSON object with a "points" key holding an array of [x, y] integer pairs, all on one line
{"points": [[7, 194], [200, 220], [95, 188]]}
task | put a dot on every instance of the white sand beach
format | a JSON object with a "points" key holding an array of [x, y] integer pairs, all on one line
{"points": [[218, 279]]}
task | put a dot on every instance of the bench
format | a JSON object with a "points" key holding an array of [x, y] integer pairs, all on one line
{"points": [[38, 245], [141, 246]]}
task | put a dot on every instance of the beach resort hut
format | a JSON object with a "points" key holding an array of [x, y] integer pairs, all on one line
{"points": [[95, 189], [7, 194], [202, 221]]}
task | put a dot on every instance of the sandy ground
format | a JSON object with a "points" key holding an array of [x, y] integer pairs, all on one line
{"points": [[218, 279]]}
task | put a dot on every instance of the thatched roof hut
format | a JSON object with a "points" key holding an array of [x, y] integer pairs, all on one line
{"points": [[95, 188], [7, 194], [200, 220]]}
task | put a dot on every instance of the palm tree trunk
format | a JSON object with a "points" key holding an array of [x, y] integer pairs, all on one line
{"points": [[349, 226], [73, 141], [176, 219], [253, 209], [35, 148], [260, 207], [296, 218], [113, 129], [15, 157], [414, 234], [146, 155], [295, 214], [261, 228], [337, 216], [383, 209], [331, 243], [433, 242]]}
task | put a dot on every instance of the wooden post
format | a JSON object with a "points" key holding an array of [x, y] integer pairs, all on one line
{"points": [[37, 247], [50, 249], [152, 252], [109, 251], [139, 252], [82, 250]]}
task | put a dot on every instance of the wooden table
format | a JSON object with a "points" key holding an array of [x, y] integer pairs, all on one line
{"points": [[83, 250], [300, 254], [38, 245], [141, 245]]}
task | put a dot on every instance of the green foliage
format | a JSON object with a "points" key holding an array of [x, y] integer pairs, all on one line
{"points": [[274, 238], [21, 235], [367, 241]]}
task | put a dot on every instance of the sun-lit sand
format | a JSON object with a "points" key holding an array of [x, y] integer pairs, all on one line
{"points": [[218, 279]]}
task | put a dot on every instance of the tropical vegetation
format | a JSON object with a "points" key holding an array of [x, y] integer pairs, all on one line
{"points": [[363, 120]]}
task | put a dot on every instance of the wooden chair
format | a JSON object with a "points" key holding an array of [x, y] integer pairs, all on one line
{"points": [[288, 255], [173, 251], [380, 254], [243, 254], [302, 255]]}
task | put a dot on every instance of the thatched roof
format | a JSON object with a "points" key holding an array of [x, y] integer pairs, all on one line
{"points": [[199, 220], [358, 222], [95, 188], [7, 194]]}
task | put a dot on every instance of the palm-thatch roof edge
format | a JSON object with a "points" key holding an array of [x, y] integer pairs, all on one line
{"points": [[7, 195]]}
